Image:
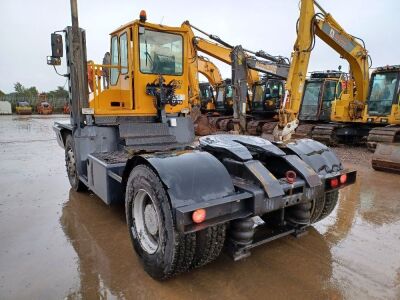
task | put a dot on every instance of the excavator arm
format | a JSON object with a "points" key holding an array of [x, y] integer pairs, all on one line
{"points": [[220, 50], [209, 70], [323, 25]]}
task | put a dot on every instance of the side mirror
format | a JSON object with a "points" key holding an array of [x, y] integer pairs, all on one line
{"points": [[56, 45], [56, 50]]}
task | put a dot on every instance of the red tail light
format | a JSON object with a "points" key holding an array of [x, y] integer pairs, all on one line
{"points": [[334, 183], [199, 215], [343, 178]]}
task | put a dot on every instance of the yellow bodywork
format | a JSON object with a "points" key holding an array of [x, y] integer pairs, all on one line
{"points": [[210, 71], [23, 110], [127, 97]]}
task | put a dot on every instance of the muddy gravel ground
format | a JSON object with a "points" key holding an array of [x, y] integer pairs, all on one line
{"points": [[57, 244]]}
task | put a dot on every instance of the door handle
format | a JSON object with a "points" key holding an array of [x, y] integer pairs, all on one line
{"points": [[126, 77]]}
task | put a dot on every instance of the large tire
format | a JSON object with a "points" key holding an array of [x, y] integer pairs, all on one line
{"points": [[70, 164], [163, 251], [331, 200], [209, 243]]}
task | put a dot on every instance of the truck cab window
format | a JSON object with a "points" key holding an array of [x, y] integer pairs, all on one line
{"points": [[161, 53], [123, 44], [114, 72]]}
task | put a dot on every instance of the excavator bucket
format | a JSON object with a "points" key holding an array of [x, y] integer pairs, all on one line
{"points": [[387, 158]]}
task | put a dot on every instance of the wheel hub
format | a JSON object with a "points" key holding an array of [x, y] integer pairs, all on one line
{"points": [[71, 162], [146, 221], [150, 219]]}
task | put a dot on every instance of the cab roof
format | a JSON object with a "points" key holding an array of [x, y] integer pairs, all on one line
{"points": [[158, 27], [387, 68]]}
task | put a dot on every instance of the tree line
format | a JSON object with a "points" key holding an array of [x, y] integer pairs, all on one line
{"points": [[57, 98]]}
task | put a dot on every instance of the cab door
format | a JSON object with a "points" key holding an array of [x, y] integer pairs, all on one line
{"points": [[329, 93], [125, 74]]}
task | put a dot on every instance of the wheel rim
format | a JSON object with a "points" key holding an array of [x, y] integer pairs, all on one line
{"points": [[71, 168], [146, 221], [71, 165]]}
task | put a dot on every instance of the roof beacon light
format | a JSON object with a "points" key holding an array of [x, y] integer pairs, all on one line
{"points": [[143, 16]]}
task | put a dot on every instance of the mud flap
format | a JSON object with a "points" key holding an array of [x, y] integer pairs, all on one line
{"points": [[387, 158]]}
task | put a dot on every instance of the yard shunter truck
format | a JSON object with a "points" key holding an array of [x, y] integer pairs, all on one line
{"points": [[130, 139]]}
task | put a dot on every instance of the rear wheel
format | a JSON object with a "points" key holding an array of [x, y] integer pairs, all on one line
{"points": [[209, 243], [164, 252], [312, 212], [331, 200], [70, 163]]}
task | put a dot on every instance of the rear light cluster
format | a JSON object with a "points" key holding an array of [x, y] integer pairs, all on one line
{"points": [[334, 182], [199, 215]]}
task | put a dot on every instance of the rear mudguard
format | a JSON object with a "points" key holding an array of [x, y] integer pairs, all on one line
{"points": [[317, 155], [191, 177]]}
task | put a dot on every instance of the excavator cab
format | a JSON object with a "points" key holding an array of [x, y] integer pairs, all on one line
{"points": [[206, 95], [223, 99], [319, 93], [383, 112], [267, 96], [384, 92]]}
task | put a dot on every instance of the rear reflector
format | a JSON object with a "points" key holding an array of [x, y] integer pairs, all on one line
{"points": [[334, 183], [343, 178], [199, 215]]}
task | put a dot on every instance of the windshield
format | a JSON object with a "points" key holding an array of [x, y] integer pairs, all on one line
{"points": [[161, 53], [310, 102], [382, 93], [23, 104], [220, 94], [229, 91], [205, 92], [259, 93], [329, 91], [274, 90]]}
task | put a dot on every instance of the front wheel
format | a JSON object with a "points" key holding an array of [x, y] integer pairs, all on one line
{"points": [[70, 163]]}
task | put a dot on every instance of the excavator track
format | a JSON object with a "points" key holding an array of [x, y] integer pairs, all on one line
{"points": [[255, 127], [215, 122], [303, 131], [325, 133], [268, 130], [387, 135]]}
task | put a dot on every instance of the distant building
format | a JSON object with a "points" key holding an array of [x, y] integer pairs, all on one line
{"points": [[5, 108]]}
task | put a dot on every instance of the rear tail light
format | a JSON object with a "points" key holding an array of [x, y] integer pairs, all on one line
{"points": [[334, 183], [343, 178], [199, 215]]}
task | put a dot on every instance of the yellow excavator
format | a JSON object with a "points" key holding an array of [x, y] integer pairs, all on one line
{"points": [[347, 108], [206, 89], [383, 112], [356, 110]]}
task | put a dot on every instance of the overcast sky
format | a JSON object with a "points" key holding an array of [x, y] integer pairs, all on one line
{"points": [[25, 28]]}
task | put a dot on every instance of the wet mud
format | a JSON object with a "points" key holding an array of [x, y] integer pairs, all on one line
{"points": [[58, 244]]}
